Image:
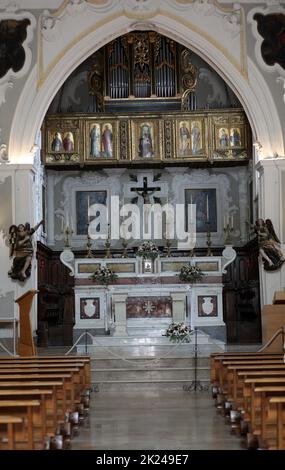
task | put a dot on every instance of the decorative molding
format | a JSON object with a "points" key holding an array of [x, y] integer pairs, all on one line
{"points": [[75, 7], [282, 81], [232, 23], [205, 7], [50, 26], [68, 259], [140, 8], [229, 255], [3, 89], [3, 151]]}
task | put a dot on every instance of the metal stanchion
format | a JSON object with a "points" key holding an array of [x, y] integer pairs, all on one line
{"points": [[195, 384]]}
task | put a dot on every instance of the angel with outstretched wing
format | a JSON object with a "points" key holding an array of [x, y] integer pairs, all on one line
{"points": [[269, 245], [21, 248]]}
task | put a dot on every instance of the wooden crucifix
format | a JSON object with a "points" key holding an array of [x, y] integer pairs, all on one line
{"points": [[145, 191]]}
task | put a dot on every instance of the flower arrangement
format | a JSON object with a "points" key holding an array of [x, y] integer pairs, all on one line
{"points": [[104, 276], [190, 274], [178, 332], [148, 250]]}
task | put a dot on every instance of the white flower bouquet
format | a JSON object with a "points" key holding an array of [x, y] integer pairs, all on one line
{"points": [[148, 250], [104, 276], [190, 274], [178, 332]]}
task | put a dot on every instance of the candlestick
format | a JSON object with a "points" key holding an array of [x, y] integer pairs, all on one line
{"points": [[168, 245], [207, 208], [227, 229], [108, 251], [125, 252], [67, 232], [209, 244], [88, 207], [89, 253]]}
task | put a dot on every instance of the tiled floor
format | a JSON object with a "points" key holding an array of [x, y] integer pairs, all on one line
{"points": [[158, 419]]}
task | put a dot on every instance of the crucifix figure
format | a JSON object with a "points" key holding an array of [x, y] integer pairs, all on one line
{"points": [[145, 191]]}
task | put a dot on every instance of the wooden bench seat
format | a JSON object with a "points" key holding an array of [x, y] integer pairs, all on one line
{"points": [[30, 411], [7, 431]]}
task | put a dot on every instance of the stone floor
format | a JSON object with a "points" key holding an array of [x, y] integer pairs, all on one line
{"points": [[154, 419]]}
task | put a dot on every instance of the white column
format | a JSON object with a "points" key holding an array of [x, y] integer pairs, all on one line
{"points": [[120, 315], [178, 307], [271, 198]]}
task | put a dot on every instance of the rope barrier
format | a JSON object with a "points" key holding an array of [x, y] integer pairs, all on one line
{"points": [[6, 350], [149, 362]]}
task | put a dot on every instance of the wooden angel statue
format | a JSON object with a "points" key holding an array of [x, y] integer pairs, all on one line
{"points": [[269, 245], [21, 248]]}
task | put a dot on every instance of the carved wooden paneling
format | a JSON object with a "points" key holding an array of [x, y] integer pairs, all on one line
{"points": [[242, 297], [55, 299]]}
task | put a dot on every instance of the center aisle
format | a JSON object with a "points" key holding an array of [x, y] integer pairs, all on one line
{"points": [[154, 419]]}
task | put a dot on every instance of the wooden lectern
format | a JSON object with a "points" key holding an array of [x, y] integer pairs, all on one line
{"points": [[26, 346], [273, 317]]}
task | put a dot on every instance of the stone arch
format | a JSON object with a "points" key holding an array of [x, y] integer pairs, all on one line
{"points": [[253, 92]]}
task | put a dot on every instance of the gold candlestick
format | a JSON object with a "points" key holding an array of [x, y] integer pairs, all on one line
{"points": [[125, 251], [89, 253], [168, 245], [68, 232], [108, 251], [209, 244], [228, 230]]}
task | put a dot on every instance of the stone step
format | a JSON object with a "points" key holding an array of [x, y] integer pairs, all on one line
{"points": [[121, 386], [149, 375], [145, 350], [147, 362]]}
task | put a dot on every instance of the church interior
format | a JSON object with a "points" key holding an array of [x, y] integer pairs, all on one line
{"points": [[142, 227]]}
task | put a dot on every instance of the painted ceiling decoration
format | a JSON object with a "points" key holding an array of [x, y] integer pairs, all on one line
{"points": [[272, 29], [13, 33]]}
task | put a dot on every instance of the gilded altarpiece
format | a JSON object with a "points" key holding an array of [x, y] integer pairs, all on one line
{"points": [[132, 139]]}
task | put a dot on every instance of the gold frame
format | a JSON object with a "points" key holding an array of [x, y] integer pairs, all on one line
{"points": [[165, 137], [101, 124], [184, 148], [61, 155], [228, 136], [153, 144]]}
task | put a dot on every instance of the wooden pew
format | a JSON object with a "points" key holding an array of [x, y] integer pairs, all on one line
{"points": [[29, 410], [56, 387], [215, 360], [261, 420], [85, 360], [231, 386], [279, 403], [8, 422]]}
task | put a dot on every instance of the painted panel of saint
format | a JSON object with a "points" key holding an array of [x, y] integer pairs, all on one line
{"points": [[95, 141], [68, 142], [101, 140], [107, 140], [196, 137], [145, 146], [184, 138], [235, 137], [224, 137], [56, 144]]}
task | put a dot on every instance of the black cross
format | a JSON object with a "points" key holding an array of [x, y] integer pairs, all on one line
{"points": [[145, 191]]}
